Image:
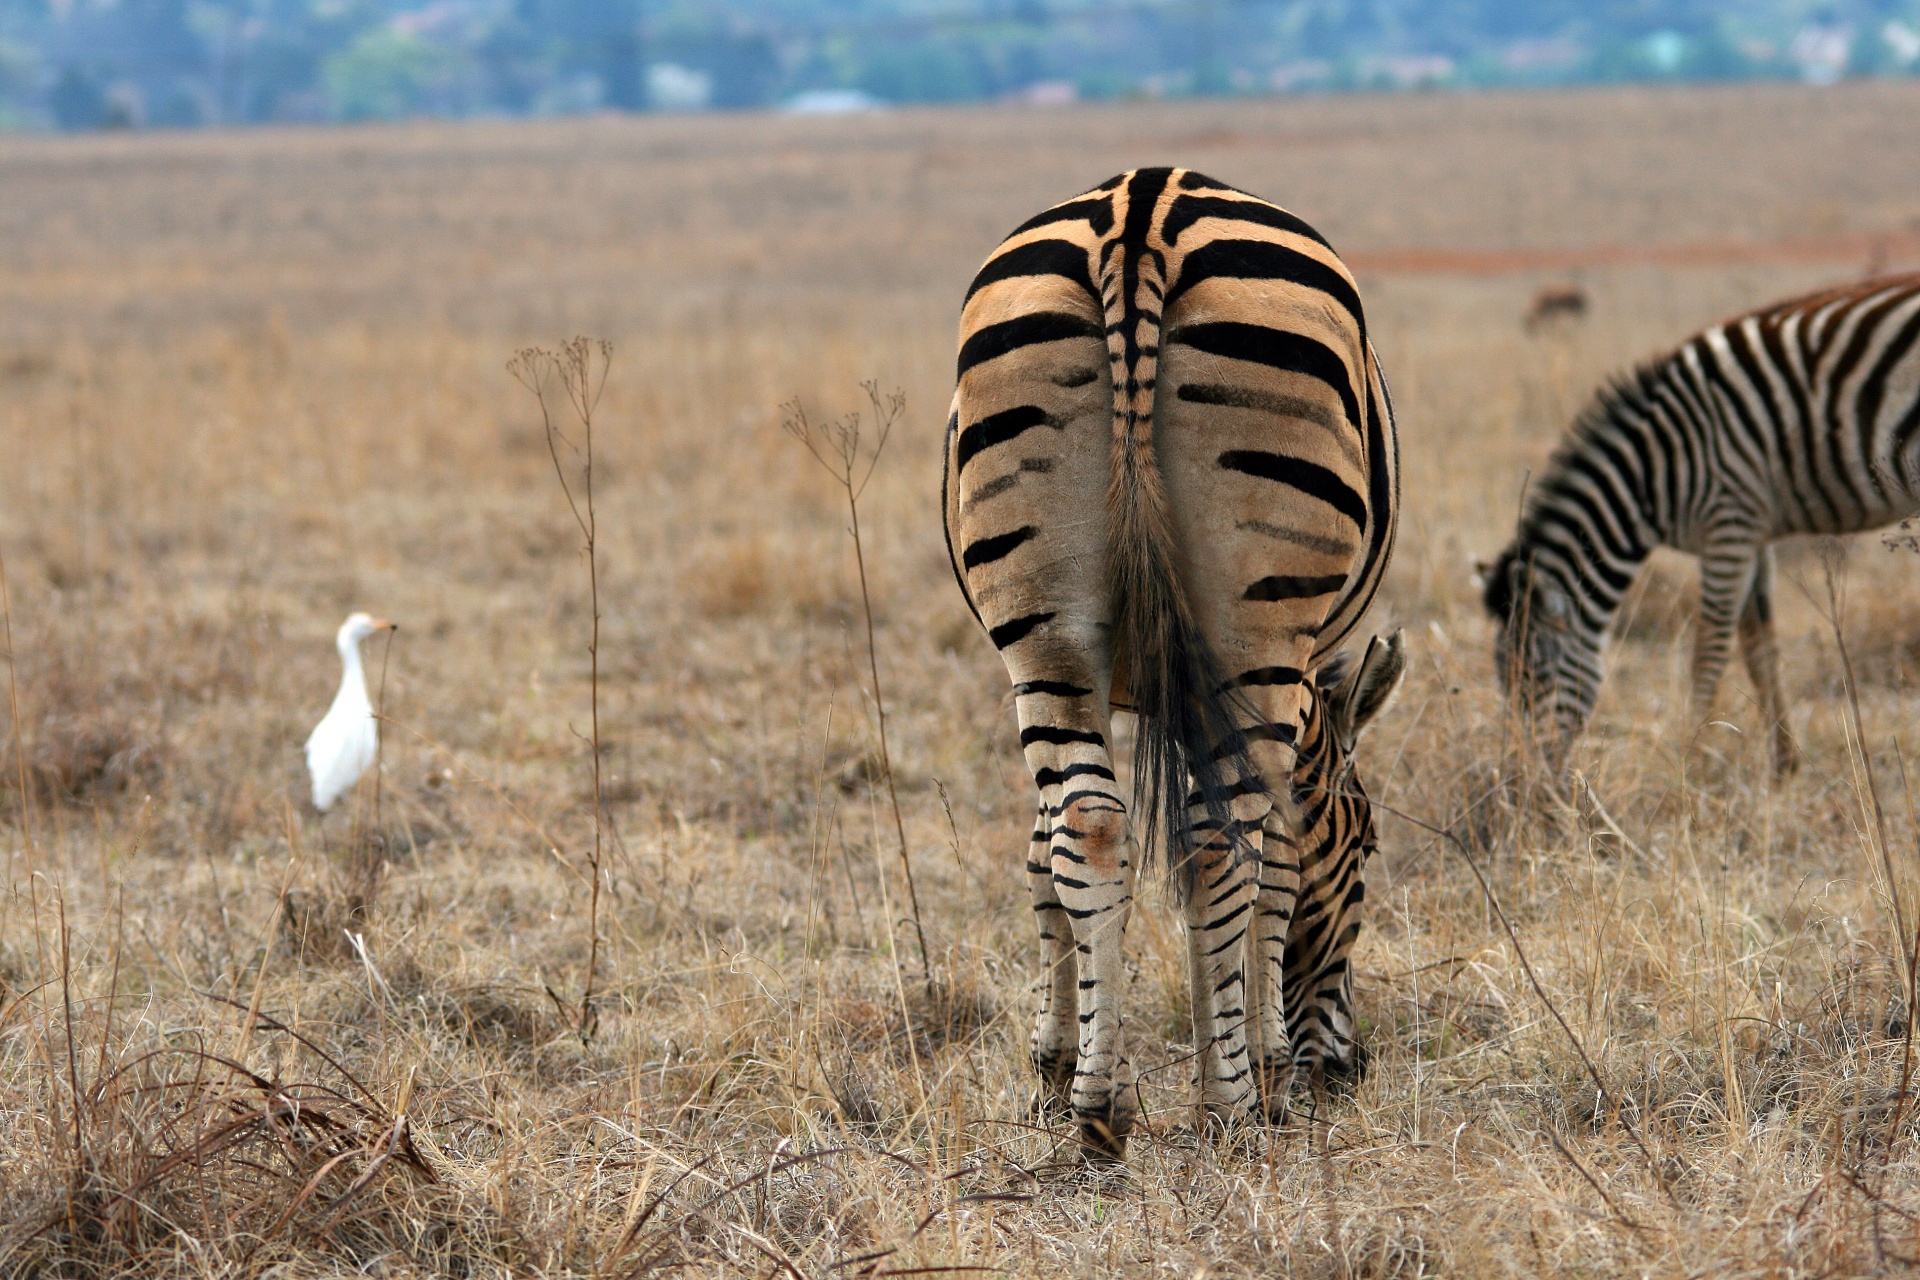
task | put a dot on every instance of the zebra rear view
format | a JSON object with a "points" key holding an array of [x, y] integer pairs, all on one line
{"points": [[1171, 484], [1800, 417]]}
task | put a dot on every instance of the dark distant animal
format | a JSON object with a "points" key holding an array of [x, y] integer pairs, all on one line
{"points": [[1171, 484], [1556, 302], [1801, 417]]}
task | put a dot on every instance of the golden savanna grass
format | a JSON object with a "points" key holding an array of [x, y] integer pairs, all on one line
{"points": [[249, 382]]}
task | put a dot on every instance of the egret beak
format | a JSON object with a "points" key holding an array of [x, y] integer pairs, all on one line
{"points": [[381, 624]]}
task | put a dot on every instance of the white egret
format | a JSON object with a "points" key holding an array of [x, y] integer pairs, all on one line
{"points": [[342, 746]]}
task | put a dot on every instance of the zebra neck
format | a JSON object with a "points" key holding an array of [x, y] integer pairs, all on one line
{"points": [[1593, 577], [1594, 516]]}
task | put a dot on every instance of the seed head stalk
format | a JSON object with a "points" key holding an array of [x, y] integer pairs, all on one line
{"points": [[842, 448], [579, 369]]}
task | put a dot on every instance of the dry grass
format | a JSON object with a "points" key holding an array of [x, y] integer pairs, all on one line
{"points": [[250, 382]]}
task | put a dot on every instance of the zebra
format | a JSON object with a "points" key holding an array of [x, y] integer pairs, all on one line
{"points": [[1193, 556], [1799, 417]]}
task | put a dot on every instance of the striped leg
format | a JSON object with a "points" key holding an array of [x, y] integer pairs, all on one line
{"points": [[1727, 568], [1762, 655], [1255, 897], [1218, 912], [1312, 970], [1273, 921], [1056, 1031], [1091, 863]]}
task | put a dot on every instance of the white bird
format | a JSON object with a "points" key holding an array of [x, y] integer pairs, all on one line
{"points": [[344, 743]]}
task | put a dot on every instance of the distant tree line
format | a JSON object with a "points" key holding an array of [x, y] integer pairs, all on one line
{"points": [[88, 64]]}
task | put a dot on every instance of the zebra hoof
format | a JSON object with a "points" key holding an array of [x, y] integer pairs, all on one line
{"points": [[1225, 1124], [1099, 1144], [1341, 1074], [1104, 1128], [1277, 1111], [1056, 1072], [1276, 1091]]}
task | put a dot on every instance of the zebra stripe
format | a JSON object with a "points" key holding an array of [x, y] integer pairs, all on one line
{"points": [[1115, 542], [1800, 417]]}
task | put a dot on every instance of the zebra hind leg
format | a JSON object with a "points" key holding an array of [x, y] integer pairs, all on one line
{"points": [[1090, 860], [1220, 887], [1093, 857], [1056, 1030]]}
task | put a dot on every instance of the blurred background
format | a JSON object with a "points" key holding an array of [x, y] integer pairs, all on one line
{"points": [[91, 64]]}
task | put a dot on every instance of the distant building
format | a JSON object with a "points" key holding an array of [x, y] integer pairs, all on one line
{"points": [[672, 87], [831, 102], [1049, 93], [1821, 52]]}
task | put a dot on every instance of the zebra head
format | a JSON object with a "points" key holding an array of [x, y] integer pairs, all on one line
{"points": [[1348, 694], [1546, 657]]}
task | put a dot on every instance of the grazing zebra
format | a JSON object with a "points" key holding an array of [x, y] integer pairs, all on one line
{"points": [[1801, 417], [1194, 555]]}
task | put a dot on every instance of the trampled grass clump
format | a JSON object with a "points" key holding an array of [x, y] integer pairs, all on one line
{"points": [[162, 1156]]}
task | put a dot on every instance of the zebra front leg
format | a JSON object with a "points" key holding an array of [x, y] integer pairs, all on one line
{"points": [[1056, 1030], [1726, 572], [1338, 819], [1762, 654], [1219, 885]]}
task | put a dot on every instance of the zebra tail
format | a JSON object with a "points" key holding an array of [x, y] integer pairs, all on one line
{"points": [[1187, 725]]}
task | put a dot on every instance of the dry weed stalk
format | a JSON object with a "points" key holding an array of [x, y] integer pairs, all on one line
{"points": [[20, 763], [13, 698], [850, 456], [1588, 1066], [1833, 567], [168, 1140], [579, 370]]}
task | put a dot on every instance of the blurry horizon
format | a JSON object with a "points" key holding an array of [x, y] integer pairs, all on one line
{"points": [[93, 64]]}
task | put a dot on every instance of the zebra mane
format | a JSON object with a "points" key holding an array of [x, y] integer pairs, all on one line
{"points": [[1630, 391], [1621, 402]]}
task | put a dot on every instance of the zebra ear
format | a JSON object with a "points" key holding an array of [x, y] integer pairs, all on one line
{"points": [[1482, 573], [1362, 694]]}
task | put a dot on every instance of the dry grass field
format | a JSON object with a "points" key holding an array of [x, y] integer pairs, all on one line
{"points": [[249, 382]]}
